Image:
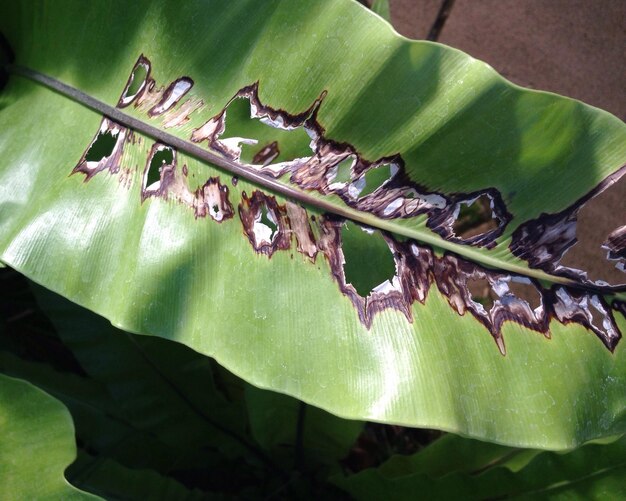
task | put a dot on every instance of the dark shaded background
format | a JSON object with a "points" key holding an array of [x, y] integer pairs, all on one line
{"points": [[571, 47]]}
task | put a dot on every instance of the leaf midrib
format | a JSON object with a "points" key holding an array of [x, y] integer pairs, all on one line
{"points": [[250, 174]]}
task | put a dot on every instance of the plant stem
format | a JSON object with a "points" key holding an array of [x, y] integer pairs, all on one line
{"points": [[442, 16], [298, 459]]}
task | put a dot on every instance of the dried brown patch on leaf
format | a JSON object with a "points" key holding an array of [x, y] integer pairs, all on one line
{"points": [[301, 228], [616, 246], [587, 309], [389, 294], [142, 91], [265, 223], [171, 96], [159, 174], [105, 150], [381, 187], [267, 154], [212, 199], [543, 242], [179, 116], [491, 297], [209, 199], [465, 212], [496, 303]]}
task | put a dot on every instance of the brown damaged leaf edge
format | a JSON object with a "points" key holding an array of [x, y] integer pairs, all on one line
{"points": [[111, 162], [209, 199], [397, 197], [542, 242], [417, 266], [263, 239], [616, 246]]}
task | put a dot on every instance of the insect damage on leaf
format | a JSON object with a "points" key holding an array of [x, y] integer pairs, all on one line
{"points": [[174, 93], [264, 222], [449, 221], [380, 187], [210, 199], [548, 241], [616, 246], [162, 177], [507, 297], [105, 151]]}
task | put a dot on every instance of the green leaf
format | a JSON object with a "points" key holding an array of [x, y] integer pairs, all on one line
{"points": [[136, 404], [590, 472], [381, 7], [448, 454], [251, 279], [276, 421], [115, 481], [36, 444]]}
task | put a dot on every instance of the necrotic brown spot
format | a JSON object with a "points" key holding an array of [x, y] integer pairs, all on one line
{"points": [[615, 244], [549, 242], [267, 154], [172, 95], [264, 223], [404, 269]]}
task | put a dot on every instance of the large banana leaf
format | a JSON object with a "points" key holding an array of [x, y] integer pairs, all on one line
{"points": [[135, 215]]}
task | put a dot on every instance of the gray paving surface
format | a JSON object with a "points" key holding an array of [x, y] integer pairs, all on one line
{"points": [[576, 48]]}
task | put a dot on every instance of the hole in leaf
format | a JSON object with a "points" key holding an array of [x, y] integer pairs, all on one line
{"points": [[596, 220], [481, 292], [375, 178], [163, 156], [102, 147], [474, 218], [138, 79], [293, 143], [343, 171], [172, 95], [136, 83], [268, 220], [522, 289], [368, 259], [265, 227], [355, 188]]}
